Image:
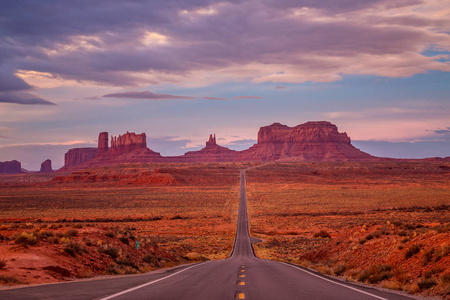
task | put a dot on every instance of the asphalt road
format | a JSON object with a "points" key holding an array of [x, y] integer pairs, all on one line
{"points": [[242, 276]]}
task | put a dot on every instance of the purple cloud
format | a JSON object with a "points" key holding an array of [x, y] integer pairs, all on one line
{"points": [[247, 97], [146, 95], [215, 98], [270, 40], [280, 87], [23, 98]]}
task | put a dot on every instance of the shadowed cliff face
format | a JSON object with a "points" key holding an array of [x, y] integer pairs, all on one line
{"points": [[310, 132], [10, 167], [312, 141]]}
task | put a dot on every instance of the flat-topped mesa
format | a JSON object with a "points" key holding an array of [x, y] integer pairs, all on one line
{"points": [[77, 156], [10, 167], [128, 142], [311, 141], [310, 132]]}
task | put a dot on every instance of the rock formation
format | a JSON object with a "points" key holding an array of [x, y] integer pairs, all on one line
{"points": [[102, 142], [46, 167], [312, 141], [128, 142], [211, 153], [77, 156], [10, 167]]}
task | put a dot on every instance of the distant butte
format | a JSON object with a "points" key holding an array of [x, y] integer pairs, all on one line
{"points": [[46, 167], [311, 141], [10, 167]]}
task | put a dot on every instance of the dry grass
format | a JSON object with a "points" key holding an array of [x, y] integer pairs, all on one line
{"points": [[377, 214]]}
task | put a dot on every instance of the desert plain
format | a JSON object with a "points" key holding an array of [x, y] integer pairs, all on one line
{"points": [[381, 223]]}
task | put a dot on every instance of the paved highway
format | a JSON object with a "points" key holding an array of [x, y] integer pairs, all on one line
{"points": [[242, 276]]}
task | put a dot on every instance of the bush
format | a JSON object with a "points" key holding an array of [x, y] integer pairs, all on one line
{"points": [[2, 263], [427, 283], [376, 273], [412, 250], [72, 232], [112, 269], [25, 239], [440, 253], [9, 279], [339, 270], [73, 249], [124, 240], [150, 259], [428, 256], [110, 234], [54, 240], [112, 251], [322, 234]]}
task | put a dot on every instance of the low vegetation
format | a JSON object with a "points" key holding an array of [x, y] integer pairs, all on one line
{"points": [[385, 224]]}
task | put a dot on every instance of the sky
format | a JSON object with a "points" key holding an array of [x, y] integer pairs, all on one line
{"points": [[181, 70]]}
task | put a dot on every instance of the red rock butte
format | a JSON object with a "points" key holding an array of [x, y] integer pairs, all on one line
{"points": [[311, 141]]}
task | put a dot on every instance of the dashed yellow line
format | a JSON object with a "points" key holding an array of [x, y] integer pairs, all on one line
{"points": [[241, 296], [242, 275], [242, 283]]}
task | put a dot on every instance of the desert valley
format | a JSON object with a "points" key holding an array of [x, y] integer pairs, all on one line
{"points": [[313, 200]]}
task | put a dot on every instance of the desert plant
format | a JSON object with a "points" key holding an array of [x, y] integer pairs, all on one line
{"points": [[440, 253], [54, 240], [72, 232], [25, 239], [112, 251], [110, 234], [339, 269], [322, 234], [427, 283], [9, 279], [376, 273], [124, 240], [112, 269], [73, 248], [412, 250], [428, 256], [2, 263]]}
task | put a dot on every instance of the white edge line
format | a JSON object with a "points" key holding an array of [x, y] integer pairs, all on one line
{"points": [[149, 283], [332, 281]]}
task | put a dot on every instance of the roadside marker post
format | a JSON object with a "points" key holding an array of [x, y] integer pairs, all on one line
{"points": [[137, 254]]}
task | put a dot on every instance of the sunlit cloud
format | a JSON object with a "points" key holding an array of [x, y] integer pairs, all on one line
{"points": [[145, 95]]}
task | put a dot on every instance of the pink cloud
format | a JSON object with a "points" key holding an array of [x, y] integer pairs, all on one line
{"points": [[247, 97], [146, 95], [215, 98]]}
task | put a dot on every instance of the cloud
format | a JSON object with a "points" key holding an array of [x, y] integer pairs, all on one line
{"points": [[247, 97], [214, 98], [146, 95], [440, 131], [420, 149], [23, 98], [169, 145], [93, 98], [242, 142], [279, 87], [152, 42]]}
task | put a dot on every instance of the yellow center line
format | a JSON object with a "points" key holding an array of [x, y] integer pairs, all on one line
{"points": [[241, 296], [242, 275], [242, 283]]}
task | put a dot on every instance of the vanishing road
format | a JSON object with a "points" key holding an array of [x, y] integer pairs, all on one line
{"points": [[241, 276]]}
